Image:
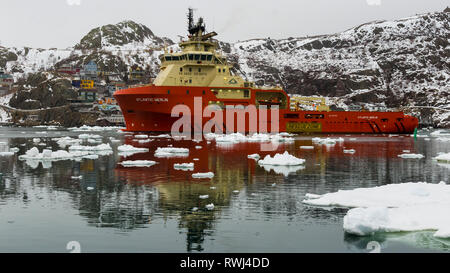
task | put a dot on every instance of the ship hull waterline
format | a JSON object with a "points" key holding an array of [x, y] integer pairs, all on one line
{"points": [[149, 109]]}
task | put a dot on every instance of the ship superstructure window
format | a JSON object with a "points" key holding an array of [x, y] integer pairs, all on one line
{"points": [[209, 57], [175, 58], [191, 57], [190, 69], [203, 57], [168, 58], [219, 70], [224, 70], [199, 70], [197, 57], [181, 69]]}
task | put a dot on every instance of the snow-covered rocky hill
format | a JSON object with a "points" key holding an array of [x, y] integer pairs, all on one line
{"points": [[397, 63]]}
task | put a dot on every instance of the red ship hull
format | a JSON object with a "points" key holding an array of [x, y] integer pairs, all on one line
{"points": [[149, 108]]}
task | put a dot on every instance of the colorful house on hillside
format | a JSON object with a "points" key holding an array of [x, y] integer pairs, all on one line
{"points": [[68, 69], [89, 71], [6, 81]]}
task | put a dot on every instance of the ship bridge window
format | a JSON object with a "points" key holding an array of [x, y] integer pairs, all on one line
{"points": [[191, 57], [197, 57], [208, 57], [203, 57], [168, 58], [175, 58]]}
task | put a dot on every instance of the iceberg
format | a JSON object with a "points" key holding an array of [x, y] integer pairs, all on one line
{"points": [[392, 208], [183, 166], [137, 163], [443, 158], [412, 156], [203, 175], [284, 159]]}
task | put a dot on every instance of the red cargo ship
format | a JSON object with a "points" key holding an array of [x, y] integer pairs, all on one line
{"points": [[199, 73]]}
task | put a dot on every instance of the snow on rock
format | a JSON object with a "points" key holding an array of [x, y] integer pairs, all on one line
{"points": [[412, 156], [183, 166], [137, 163], [392, 208], [284, 159], [203, 175]]}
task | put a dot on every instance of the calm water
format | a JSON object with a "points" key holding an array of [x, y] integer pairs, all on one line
{"points": [[149, 209]]}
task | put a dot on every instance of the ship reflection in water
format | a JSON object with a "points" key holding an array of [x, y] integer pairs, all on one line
{"points": [[159, 209]]}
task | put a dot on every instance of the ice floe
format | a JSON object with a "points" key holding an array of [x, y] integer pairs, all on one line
{"points": [[203, 196], [203, 175], [284, 159], [412, 156], [444, 158], [67, 141], [327, 141], [100, 147], [209, 206], [183, 166], [141, 136], [89, 136], [238, 138], [7, 153], [307, 147], [254, 156], [86, 128], [49, 155], [392, 208], [137, 163], [171, 152], [349, 151], [131, 149]]}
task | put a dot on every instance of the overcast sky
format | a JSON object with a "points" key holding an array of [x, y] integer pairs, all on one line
{"points": [[62, 23]]}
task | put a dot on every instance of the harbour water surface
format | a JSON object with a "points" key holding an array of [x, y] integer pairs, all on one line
{"points": [[150, 209]]}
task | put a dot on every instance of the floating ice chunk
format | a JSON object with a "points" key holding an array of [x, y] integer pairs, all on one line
{"points": [[114, 140], [284, 159], [90, 156], [36, 140], [171, 152], [254, 156], [86, 128], [274, 184], [198, 147], [209, 206], [94, 141], [284, 170], [203, 196], [327, 141], [14, 149], [194, 209], [349, 151], [67, 141], [195, 159], [366, 221], [129, 148], [413, 156], [235, 191], [32, 152], [90, 188], [143, 140], [76, 177], [183, 166], [100, 147], [6, 153], [393, 207], [444, 158], [161, 136], [203, 175], [89, 136], [48, 155], [212, 188], [141, 136], [312, 196], [307, 147], [406, 151], [392, 195], [352, 138], [137, 163]]}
